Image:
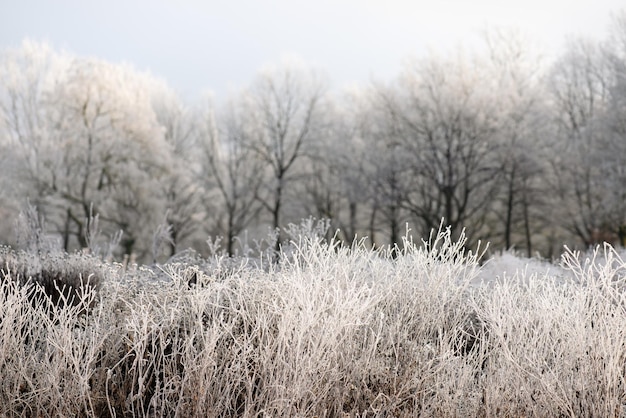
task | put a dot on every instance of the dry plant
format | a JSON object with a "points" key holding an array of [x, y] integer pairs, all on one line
{"points": [[557, 348], [325, 331]]}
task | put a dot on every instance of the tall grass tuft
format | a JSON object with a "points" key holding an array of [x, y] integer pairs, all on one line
{"points": [[321, 330]]}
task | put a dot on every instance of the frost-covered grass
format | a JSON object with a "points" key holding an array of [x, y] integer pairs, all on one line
{"points": [[324, 331]]}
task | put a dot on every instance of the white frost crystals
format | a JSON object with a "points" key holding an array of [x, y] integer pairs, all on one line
{"points": [[325, 330]]}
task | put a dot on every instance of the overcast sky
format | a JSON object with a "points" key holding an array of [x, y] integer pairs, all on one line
{"points": [[198, 46]]}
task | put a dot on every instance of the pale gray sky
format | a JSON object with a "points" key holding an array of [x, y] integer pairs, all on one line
{"points": [[219, 45]]}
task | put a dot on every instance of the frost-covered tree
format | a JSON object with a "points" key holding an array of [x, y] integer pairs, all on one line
{"points": [[231, 168], [614, 146], [286, 108], [112, 153], [27, 76], [86, 142], [333, 185], [446, 122], [388, 164], [353, 154], [581, 83], [515, 75], [180, 188]]}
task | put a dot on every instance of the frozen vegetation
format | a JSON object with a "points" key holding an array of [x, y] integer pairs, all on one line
{"points": [[318, 329], [524, 150]]}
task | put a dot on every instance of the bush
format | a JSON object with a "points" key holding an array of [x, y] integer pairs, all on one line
{"points": [[62, 277], [323, 331]]}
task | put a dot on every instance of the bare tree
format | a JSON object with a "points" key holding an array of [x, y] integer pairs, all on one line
{"points": [[580, 85], [353, 156], [329, 188], [515, 74], [235, 169], [286, 109], [446, 123], [388, 170], [179, 186], [615, 147], [338, 181]]}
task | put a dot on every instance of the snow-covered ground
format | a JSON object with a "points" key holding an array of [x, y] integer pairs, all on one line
{"points": [[507, 265]]}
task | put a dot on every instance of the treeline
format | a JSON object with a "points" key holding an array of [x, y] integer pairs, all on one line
{"points": [[523, 152]]}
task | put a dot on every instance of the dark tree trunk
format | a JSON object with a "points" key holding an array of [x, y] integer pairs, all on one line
{"points": [[510, 203], [529, 248], [66, 232]]}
